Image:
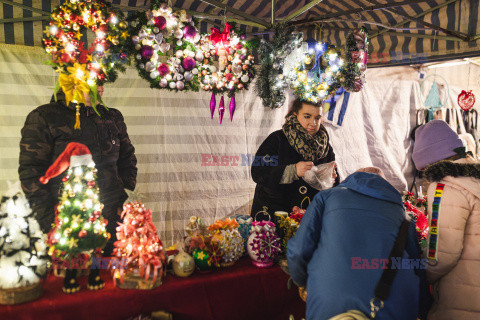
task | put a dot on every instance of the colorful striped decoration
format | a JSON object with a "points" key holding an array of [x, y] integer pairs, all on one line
{"points": [[433, 233]]}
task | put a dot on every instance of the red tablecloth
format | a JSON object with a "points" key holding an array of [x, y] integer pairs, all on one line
{"points": [[239, 292]]}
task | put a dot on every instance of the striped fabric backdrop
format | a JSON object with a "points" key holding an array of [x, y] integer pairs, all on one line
{"points": [[170, 131], [396, 48]]}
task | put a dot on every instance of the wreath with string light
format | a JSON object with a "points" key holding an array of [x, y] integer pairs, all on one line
{"points": [[271, 83], [62, 39], [164, 47], [316, 76]]}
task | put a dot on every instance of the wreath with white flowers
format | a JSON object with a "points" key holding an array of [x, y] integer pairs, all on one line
{"points": [[235, 61], [105, 56], [164, 48]]}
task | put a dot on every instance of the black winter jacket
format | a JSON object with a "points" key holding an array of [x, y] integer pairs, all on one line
{"points": [[269, 192], [47, 131]]}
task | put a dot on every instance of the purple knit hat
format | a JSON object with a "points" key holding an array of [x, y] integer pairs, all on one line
{"points": [[434, 141]]}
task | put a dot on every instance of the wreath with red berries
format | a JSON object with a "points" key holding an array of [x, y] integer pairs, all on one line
{"points": [[62, 38]]}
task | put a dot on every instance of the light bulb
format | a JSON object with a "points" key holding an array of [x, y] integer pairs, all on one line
{"points": [[88, 204], [53, 29], [78, 171], [79, 74], [75, 225], [78, 187]]}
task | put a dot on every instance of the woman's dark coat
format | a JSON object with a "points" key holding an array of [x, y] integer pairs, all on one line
{"points": [[273, 155]]}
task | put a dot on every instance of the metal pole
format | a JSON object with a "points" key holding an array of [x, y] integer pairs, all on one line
{"points": [[401, 23], [302, 10], [357, 10], [21, 5], [237, 12]]}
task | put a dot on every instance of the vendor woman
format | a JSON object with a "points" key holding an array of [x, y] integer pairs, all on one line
{"points": [[286, 155]]}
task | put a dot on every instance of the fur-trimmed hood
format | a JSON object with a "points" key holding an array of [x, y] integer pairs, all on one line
{"points": [[463, 172]]}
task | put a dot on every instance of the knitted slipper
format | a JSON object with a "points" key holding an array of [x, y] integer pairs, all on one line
{"points": [[94, 280], [70, 284]]}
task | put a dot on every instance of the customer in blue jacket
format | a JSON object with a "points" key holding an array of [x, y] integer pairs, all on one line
{"points": [[356, 220]]}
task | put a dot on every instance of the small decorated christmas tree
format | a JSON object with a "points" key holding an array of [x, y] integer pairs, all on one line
{"points": [[139, 245], [23, 254], [79, 225]]}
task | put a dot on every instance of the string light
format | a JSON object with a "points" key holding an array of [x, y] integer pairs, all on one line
{"points": [[78, 187], [114, 19], [78, 171]]}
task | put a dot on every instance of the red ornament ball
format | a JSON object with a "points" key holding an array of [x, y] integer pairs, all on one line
{"points": [[160, 22], [82, 234], [66, 58], [64, 179], [91, 184], [466, 100], [163, 69]]}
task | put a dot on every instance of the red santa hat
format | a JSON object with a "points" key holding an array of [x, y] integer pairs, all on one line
{"points": [[74, 155]]}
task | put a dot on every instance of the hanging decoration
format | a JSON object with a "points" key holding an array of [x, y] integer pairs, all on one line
{"points": [[432, 101], [271, 83], [466, 100], [317, 75], [163, 43], [416, 208], [356, 55], [23, 254], [316, 70], [92, 66], [139, 244], [235, 66]]}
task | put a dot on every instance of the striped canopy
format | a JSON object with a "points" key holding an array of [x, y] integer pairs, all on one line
{"points": [[401, 31]]}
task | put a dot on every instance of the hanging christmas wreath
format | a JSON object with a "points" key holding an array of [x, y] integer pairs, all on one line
{"points": [[235, 65], [315, 76], [271, 83], [163, 44], [322, 69], [356, 54], [105, 56]]}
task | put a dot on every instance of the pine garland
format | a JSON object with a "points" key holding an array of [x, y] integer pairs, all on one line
{"points": [[270, 84]]}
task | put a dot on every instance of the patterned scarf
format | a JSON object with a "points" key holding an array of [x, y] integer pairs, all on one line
{"points": [[310, 147]]}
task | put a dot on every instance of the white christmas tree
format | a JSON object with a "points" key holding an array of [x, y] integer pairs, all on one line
{"points": [[23, 250]]}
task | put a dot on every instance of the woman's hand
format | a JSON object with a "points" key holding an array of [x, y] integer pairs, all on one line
{"points": [[302, 167], [334, 174]]}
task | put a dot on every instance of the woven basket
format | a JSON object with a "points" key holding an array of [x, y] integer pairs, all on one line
{"points": [[21, 295]]}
